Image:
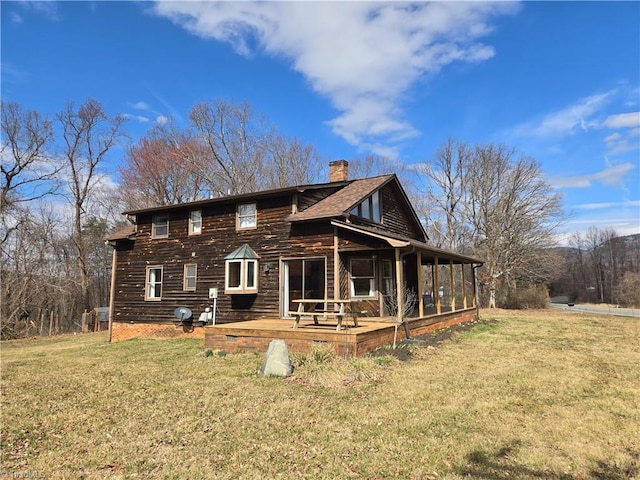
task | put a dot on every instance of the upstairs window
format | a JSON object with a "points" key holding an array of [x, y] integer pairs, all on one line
{"points": [[195, 222], [246, 216], [160, 226], [369, 208], [241, 271], [153, 290]]}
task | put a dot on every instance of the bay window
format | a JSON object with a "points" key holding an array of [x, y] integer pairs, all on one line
{"points": [[241, 271]]}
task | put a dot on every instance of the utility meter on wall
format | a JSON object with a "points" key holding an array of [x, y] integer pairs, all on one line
{"points": [[213, 293]]}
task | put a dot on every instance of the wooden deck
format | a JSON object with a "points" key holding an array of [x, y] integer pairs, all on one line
{"points": [[370, 334]]}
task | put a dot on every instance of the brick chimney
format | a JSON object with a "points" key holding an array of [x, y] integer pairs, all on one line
{"points": [[338, 171]]}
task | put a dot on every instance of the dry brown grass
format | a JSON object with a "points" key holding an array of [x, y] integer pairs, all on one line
{"points": [[539, 394]]}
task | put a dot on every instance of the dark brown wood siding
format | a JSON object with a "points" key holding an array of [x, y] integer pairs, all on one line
{"points": [[395, 216], [273, 239]]}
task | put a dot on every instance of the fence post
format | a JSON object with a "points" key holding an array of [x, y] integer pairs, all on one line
{"points": [[84, 327]]}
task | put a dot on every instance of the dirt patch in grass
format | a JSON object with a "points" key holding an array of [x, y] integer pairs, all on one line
{"points": [[405, 350]]}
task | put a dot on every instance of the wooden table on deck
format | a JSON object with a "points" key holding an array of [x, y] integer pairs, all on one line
{"points": [[307, 308]]}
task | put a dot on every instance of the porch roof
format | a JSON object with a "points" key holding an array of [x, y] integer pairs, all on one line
{"points": [[429, 252]]}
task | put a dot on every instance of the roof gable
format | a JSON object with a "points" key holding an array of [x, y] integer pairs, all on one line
{"points": [[340, 203]]}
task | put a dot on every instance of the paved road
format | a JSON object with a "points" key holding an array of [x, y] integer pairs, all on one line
{"points": [[621, 312]]}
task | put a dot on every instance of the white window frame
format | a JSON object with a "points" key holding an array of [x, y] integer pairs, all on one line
{"points": [[372, 279], [244, 220], [156, 223], [186, 277], [195, 226], [153, 282], [248, 283]]}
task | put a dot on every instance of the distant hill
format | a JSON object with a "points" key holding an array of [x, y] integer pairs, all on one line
{"points": [[594, 274]]}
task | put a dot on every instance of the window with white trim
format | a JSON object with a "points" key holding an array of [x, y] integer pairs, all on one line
{"points": [[369, 208], [241, 276], [195, 222], [190, 275], [160, 226], [362, 277], [241, 271], [153, 288], [246, 216]]}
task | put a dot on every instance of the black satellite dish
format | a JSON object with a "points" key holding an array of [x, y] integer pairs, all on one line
{"points": [[182, 313]]}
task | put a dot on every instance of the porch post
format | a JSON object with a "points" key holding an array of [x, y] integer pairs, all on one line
{"points": [[473, 284], [400, 313], [464, 290], [420, 291], [336, 266], [436, 286], [452, 285]]}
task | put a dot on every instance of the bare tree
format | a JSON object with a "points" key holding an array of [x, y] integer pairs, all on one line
{"points": [[247, 154], [513, 213], [235, 143], [88, 135], [448, 178], [28, 171], [27, 167], [288, 162], [167, 166]]}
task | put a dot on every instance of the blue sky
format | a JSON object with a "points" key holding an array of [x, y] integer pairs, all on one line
{"points": [[559, 81]]}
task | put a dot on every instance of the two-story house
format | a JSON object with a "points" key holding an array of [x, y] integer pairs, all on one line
{"points": [[359, 240]]}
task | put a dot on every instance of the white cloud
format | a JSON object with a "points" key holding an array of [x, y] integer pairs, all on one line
{"points": [[623, 120], [137, 118], [627, 141], [47, 8], [15, 18], [140, 106], [567, 120], [162, 120], [610, 176], [362, 56], [601, 205]]}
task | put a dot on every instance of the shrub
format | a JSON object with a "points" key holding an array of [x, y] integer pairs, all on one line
{"points": [[629, 290], [527, 298]]}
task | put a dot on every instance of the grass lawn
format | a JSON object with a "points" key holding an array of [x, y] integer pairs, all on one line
{"points": [[532, 395]]}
